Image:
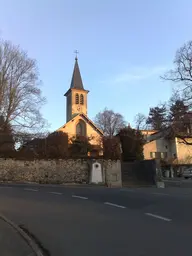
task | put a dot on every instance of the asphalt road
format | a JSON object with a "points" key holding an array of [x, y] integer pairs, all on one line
{"points": [[81, 220]]}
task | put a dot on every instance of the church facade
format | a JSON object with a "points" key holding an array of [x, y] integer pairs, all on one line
{"points": [[77, 121]]}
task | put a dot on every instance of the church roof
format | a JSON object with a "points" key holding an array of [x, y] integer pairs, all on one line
{"points": [[87, 120], [91, 123], [76, 81]]}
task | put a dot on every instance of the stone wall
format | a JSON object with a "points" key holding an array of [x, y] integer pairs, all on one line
{"points": [[57, 171], [112, 172]]}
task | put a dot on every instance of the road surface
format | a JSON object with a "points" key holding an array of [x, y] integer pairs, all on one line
{"points": [[84, 220]]}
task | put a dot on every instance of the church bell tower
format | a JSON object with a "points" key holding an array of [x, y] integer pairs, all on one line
{"points": [[76, 96]]}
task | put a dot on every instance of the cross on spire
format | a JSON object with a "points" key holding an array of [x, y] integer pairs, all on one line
{"points": [[76, 52]]}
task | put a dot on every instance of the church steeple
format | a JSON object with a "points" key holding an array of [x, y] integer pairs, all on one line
{"points": [[76, 94], [76, 81]]}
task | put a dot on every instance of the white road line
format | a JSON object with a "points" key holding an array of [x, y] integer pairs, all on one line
{"points": [[30, 189], [6, 187], [161, 194], [55, 193], [127, 190], [157, 216], [81, 197], [116, 205]]}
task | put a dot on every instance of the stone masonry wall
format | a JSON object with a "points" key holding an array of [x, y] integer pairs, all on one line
{"points": [[57, 171], [112, 173]]}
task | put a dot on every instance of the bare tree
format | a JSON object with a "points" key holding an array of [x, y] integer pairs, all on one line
{"points": [[140, 121], [20, 94], [181, 74], [109, 122], [180, 120]]}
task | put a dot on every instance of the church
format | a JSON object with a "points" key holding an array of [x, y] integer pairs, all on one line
{"points": [[77, 121]]}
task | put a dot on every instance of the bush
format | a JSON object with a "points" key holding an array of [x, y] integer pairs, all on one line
{"points": [[80, 146], [57, 145], [132, 142], [111, 148]]}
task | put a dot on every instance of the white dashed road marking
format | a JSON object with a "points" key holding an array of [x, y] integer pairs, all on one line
{"points": [[160, 194], [55, 193], [30, 189], [157, 216], [116, 205], [6, 187], [127, 190], [81, 197]]}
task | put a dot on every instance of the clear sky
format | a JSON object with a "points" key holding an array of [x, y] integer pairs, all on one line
{"points": [[124, 45]]}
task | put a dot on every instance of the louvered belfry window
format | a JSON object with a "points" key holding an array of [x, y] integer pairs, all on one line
{"points": [[77, 98], [81, 99]]}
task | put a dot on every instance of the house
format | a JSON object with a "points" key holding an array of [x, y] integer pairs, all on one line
{"points": [[77, 121], [162, 145]]}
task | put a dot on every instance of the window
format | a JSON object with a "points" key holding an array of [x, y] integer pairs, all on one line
{"points": [[81, 128], [152, 154], [81, 99], [163, 155], [77, 98], [158, 155]]}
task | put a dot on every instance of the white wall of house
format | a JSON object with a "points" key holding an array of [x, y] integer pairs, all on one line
{"points": [[166, 148], [184, 152], [173, 148]]}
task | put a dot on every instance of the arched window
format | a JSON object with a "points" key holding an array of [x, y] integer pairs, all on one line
{"points": [[81, 99], [76, 98], [81, 128]]}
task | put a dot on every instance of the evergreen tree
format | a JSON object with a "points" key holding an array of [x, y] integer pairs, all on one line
{"points": [[177, 111], [157, 118]]}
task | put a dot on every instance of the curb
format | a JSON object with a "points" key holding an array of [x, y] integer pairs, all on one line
{"points": [[27, 238], [63, 185]]}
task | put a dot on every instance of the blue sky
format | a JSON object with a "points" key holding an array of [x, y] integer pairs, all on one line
{"points": [[124, 47]]}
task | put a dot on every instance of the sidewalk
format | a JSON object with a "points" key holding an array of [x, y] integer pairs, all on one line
{"points": [[178, 182], [11, 243]]}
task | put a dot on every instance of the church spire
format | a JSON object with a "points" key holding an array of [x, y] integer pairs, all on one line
{"points": [[76, 81], [76, 94]]}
